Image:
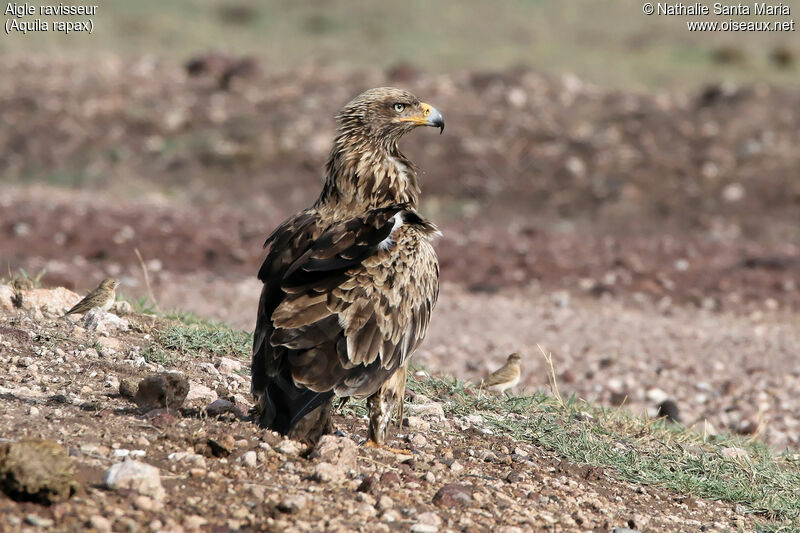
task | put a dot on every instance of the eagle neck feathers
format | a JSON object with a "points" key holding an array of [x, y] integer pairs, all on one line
{"points": [[366, 173]]}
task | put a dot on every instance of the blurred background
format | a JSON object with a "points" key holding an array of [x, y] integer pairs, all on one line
{"points": [[592, 154]]}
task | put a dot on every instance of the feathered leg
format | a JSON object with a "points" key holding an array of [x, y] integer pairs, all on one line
{"points": [[314, 425], [382, 406]]}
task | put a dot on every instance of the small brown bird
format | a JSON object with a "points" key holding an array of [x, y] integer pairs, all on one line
{"points": [[504, 378], [103, 297]]}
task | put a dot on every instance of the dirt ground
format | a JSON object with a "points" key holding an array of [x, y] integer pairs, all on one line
{"points": [[649, 241], [63, 383]]}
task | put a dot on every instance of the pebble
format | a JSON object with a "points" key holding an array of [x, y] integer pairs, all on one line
{"points": [[385, 503], [227, 366], [452, 495], [289, 447], [194, 522], [418, 440], [100, 523], [293, 503], [328, 473], [39, 521], [250, 459], [429, 409], [430, 518], [339, 451], [141, 477], [200, 393], [416, 423]]}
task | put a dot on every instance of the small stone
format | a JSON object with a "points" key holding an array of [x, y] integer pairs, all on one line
{"points": [[39, 521], [227, 366], [96, 319], [293, 503], [418, 441], [385, 503], [194, 522], [430, 409], [108, 346], [453, 495], [145, 503], [656, 395], [200, 393], [339, 451], [328, 473], [36, 470], [168, 389], [391, 516], [430, 518], [416, 423], [430, 477], [424, 528], [221, 447], [250, 459], [141, 477], [100, 523], [219, 407]]}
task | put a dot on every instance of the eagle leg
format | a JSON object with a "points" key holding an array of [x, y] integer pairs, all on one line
{"points": [[382, 406], [313, 425]]}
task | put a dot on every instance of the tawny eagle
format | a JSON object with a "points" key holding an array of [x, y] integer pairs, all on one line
{"points": [[349, 283]]}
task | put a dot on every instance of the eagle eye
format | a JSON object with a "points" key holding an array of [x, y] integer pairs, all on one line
{"points": [[399, 107]]}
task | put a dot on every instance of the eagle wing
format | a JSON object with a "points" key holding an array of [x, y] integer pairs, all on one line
{"points": [[343, 306]]}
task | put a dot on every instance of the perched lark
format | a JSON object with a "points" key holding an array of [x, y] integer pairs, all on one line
{"points": [[504, 378], [103, 297], [349, 283]]}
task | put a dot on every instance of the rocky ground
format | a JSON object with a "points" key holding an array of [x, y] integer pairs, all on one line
{"points": [[648, 240], [76, 381]]}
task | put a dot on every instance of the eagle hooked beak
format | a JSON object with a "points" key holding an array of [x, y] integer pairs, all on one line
{"points": [[432, 117]]}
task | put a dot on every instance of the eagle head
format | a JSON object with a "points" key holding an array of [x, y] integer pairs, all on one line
{"points": [[387, 113]]}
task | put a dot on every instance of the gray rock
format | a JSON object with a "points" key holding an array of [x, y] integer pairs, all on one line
{"points": [[220, 407], [250, 459], [200, 393], [227, 366], [168, 389], [100, 523], [134, 475], [36, 470], [339, 451], [96, 319], [293, 503], [329, 473], [453, 495], [429, 409]]}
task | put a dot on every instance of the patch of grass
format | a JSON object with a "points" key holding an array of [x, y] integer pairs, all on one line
{"points": [[204, 337], [157, 355], [638, 449]]}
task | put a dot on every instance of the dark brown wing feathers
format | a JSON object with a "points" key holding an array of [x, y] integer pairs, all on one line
{"points": [[330, 317]]}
